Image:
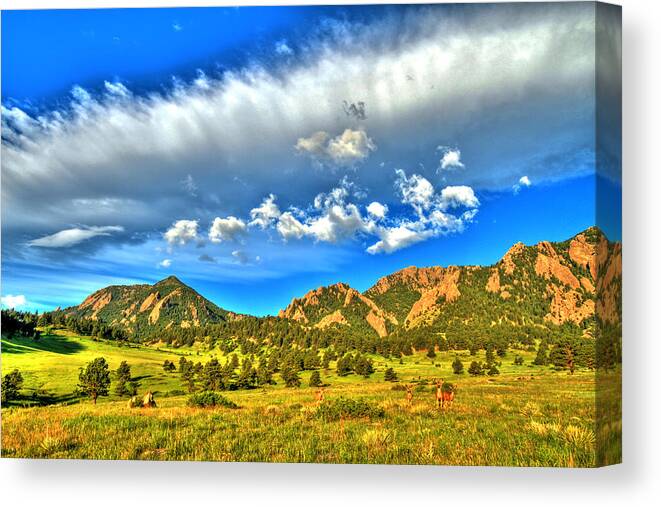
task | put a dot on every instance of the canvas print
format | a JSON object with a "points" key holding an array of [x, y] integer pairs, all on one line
{"points": [[382, 234]]}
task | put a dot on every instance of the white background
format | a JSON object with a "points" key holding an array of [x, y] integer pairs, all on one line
{"points": [[636, 482]]}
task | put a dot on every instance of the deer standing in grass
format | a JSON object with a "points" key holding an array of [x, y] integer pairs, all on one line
{"points": [[409, 394], [319, 395], [443, 396]]}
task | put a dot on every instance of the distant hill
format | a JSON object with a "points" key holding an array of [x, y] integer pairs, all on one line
{"points": [[547, 283], [145, 308]]}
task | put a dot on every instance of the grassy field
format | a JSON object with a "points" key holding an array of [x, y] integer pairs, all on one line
{"points": [[526, 416]]}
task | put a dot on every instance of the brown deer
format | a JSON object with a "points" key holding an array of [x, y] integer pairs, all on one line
{"points": [[409, 394], [443, 397], [148, 400], [319, 395]]}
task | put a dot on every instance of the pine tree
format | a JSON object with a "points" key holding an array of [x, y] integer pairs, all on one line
{"points": [[123, 377], [518, 360], [290, 376], [457, 366], [390, 375], [493, 370], [315, 379], [11, 385], [475, 369], [542, 354]]}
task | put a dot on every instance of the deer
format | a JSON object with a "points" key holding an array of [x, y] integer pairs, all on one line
{"points": [[409, 394], [148, 400], [319, 395], [443, 397]]}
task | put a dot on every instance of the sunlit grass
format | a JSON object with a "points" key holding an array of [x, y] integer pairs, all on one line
{"points": [[527, 416]]}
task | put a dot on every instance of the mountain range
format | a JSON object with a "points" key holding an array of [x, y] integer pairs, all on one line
{"points": [[543, 284]]}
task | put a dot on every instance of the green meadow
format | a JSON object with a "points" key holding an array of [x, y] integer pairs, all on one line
{"points": [[526, 416]]}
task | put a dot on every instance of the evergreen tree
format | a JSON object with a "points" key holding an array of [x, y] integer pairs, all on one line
{"points": [[315, 379], [493, 370], [542, 354], [390, 375], [212, 376], [475, 369], [344, 365], [11, 385], [122, 378], [94, 379], [457, 366], [363, 366], [289, 375], [518, 361]]}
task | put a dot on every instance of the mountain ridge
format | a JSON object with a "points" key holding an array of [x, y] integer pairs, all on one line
{"points": [[548, 283]]}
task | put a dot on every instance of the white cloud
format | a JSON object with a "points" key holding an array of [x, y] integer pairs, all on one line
{"points": [[457, 196], [336, 224], [265, 214], [282, 48], [177, 27], [289, 227], [11, 301], [524, 181], [396, 238], [451, 159], [416, 191], [226, 229], [347, 149], [377, 210], [132, 148], [117, 89], [181, 232], [165, 263], [71, 237]]}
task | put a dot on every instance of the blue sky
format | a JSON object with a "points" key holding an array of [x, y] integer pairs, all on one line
{"points": [[258, 153]]}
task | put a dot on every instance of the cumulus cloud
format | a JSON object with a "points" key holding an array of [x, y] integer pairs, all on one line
{"points": [[456, 196], [524, 181], [451, 159], [226, 229], [182, 232], [165, 263], [332, 218], [347, 149], [377, 210], [265, 214], [396, 238], [289, 227], [70, 237], [415, 190], [11, 301]]}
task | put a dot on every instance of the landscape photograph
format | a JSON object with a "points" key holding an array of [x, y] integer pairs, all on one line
{"points": [[371, 234]]}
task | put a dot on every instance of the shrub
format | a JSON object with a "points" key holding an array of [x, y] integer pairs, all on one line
{"points": [[333, 410], [518, 361], [493, 371], [457, 366], [390, 375], [210, 399]]}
